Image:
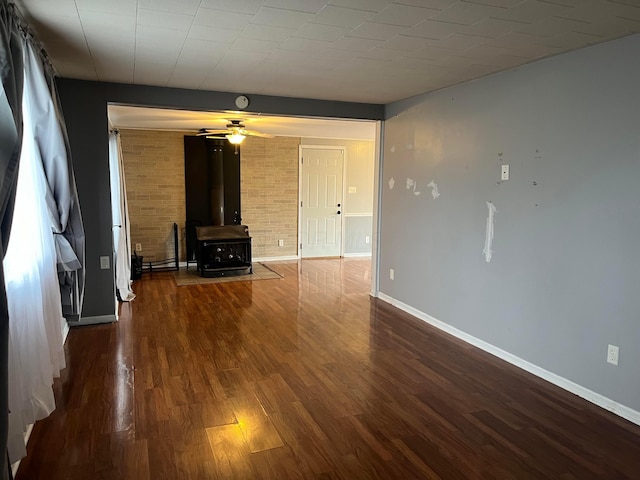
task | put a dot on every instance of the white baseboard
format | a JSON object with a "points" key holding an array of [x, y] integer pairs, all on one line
{"points": [[94, 320], [276, 259], [354, 255], [589, 395]]}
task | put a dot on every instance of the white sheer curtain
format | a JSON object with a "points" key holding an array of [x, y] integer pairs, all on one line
{"points": [[120, 214], [36, 323]]}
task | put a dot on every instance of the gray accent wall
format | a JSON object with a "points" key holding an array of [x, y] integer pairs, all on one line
{"points": [[84, 106], [563, 279]]}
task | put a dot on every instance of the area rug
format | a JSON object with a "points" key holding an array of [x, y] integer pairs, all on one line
{"points": [[192, 276]]}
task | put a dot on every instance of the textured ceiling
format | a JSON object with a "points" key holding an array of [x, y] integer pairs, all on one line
{"points": [[374, 51]]}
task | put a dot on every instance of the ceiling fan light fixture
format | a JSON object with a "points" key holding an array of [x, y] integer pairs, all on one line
{"points": [[235, 138]]}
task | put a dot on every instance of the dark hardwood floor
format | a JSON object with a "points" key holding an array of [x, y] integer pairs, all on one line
{"points": [[306, 377]]}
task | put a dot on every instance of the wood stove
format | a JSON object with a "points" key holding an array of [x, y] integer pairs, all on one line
{"points": [[223, 250]]}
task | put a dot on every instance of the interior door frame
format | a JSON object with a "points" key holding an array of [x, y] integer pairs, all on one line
{"points": [[301, 147]]}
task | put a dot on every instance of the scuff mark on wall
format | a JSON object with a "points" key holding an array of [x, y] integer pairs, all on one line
{"points": [[392, 183], [488, 241], [412, 184], [434, 189]]}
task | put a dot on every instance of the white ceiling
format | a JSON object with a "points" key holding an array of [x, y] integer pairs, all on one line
{"points": [[122, 116], [374, 51]]}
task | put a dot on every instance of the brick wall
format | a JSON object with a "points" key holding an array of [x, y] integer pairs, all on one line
{"points": [[269, 192], [154, 174]]}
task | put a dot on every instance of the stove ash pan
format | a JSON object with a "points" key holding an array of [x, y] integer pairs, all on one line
{"points": [[223, 250]]}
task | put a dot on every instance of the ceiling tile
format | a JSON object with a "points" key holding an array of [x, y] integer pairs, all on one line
{"points": [[376, 31], [303, 44], [380, 53], [403, 15], [119, 7], [629, 10], [309, 6], [431, 52], [201, 53], [435, 29], [550, 26], [265, 32], [156, 18], [571, 40], [107, 23], [467, 13], [493, 28], [160, 38], [186, 78], [530, 11], [533, 51], [162, 69], [40, 9], [58, 27], [334, 56], [259, 46], [367, 5], [406, 43], [512, 40], [341, 17], [609, 27], [355, 44], [185, 7], [276, 17], [480, 52], [459, 41], [437, 4], [219, 18], [498, 3], [224, 35], [237, 63], [325, 33], [240, 6]]}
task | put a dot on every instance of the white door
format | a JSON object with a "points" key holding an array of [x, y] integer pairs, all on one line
{"points": [[321, 202]]}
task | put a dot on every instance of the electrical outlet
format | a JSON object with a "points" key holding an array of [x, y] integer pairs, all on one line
{"points": [[281, 243], [367, 239], [504, 173], [138, 247], [104, 262], [392, 274], [613, 353]]}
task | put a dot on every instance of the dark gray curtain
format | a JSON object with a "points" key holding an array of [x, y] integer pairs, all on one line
{"points": [[62, 196], [10, 143]]}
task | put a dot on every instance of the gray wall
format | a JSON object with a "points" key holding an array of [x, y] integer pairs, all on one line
{"points": [[85, 110], [563, 280]]}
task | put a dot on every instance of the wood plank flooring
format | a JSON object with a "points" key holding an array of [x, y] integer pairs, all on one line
{"points": [[306, 377]]}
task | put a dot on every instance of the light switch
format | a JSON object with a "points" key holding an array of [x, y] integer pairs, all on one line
{"points": [[104, 262], [352, 189]]}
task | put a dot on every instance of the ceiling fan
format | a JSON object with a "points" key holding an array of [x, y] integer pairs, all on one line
{"points": [[235, 132]]}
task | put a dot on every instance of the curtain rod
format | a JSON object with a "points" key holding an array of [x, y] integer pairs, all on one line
{"points": [[31, 36]]}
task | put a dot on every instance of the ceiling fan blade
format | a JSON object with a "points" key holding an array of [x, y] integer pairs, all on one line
{"points": [[207, 131], [253, 133]]}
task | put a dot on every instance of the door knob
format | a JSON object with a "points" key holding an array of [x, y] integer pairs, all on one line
{"points": [[338, 212], [338, 204]]}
